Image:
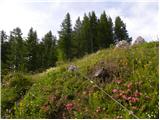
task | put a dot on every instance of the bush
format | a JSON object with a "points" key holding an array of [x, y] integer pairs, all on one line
{"points": [[14, 87]]}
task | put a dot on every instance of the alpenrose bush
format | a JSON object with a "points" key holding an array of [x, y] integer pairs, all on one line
{"points": [[126, 93]]}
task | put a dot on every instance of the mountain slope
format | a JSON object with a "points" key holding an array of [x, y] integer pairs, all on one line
{"points": [[59, 93]]}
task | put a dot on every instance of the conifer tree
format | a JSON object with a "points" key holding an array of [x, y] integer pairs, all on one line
{"points": [[93, 32], [32, 54], [120, 30], [85, 34], [77, 48], [49, 50], [105, 31], [65, 36], [4, 51], [17, 51]]}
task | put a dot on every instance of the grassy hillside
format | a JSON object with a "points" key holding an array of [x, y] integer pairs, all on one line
{"points": [[59, 93]]}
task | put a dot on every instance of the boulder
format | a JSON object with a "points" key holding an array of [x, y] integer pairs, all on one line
{"points": [[102, 74], [72, 68], [122, 44], [139, 40]]}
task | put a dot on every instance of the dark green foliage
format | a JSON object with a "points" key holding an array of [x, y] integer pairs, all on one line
{"points": [[32, 53], [105, 31], [4, 52], [93, 32], [88, 36], [49, 50], [14, 87], [65, 36], [77, 40], [85, 35], [120, 30], [17, 51]]}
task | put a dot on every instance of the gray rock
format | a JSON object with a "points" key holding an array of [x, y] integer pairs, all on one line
{"points": [[72, 68], [102, 74], [122, 44], [139, 40]]}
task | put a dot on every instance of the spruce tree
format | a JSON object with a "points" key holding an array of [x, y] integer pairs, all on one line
{"points": [[85, 34], [105, 31], [49, 50], [32, 54], [93, 32], [77, 48], [4, 51], [120, 30], [17, 51], [65, 36]]}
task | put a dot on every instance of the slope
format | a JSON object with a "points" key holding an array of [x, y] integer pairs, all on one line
{"points": [[59, 93]]}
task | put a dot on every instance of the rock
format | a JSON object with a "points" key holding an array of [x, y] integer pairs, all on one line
{"points": [[101, 73], [139, 40], [72, 68], [122, 44]]}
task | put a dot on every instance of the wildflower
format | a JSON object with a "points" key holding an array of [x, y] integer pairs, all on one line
{"points": [[124, 97], [120, 94], [134, 100], [117, 81], [119, 117], [136, 94], [98, 109], [129, 98], [121, 91], [91, 81], [134, 108], [130, 112], [129, 85], [114, 90], [69, 106], [128, 90]]}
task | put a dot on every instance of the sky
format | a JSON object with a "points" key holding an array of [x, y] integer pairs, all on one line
{"points": [[141, 16]]}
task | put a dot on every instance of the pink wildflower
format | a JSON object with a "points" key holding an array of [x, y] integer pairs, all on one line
{"points": [[136, 94], [125, 97], [69, 106], [134, 100], [114, 90], [129, 85], [118, 81]]}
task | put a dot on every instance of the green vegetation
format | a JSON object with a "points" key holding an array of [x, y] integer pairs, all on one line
{"points": [[59, 93], [33, 55]]}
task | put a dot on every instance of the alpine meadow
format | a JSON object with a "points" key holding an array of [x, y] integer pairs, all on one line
{"points": [[97, 66]]}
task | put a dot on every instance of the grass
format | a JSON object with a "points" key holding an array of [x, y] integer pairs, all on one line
{"points": [[58, 93]]}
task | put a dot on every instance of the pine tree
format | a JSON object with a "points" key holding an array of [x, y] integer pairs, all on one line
{"points": [[31, 44], [4, 51], [77, 48], [93, 31], [85, 34], [49, 50], [65, 36], [105, 31], [120, 30], [40, 56], [17, 51]]}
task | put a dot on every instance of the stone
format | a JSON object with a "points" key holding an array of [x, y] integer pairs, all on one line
{"points": [[102, 74], [122, 44], [139, 40], [72, 68]]}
